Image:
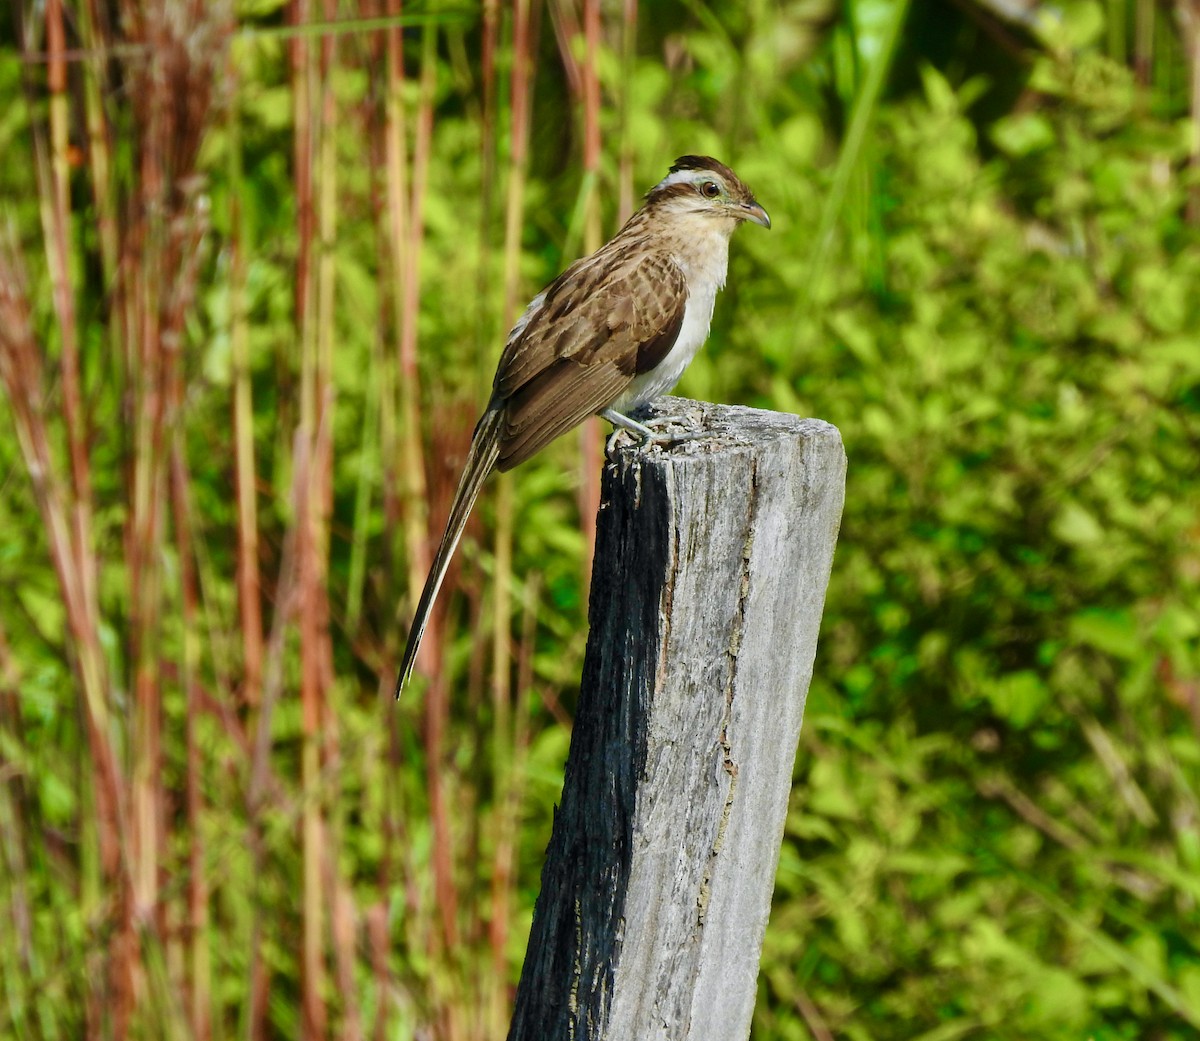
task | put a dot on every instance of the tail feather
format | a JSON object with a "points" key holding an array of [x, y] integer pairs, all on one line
{"points": [[481, 459]]}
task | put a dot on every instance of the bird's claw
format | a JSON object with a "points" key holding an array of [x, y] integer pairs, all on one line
{"points": [[647, 437]]}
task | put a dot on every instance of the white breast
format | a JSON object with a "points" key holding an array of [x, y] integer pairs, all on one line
{"points": [[704, 265]]}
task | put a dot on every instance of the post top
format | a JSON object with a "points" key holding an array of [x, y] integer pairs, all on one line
{"points": [[722, 428]]}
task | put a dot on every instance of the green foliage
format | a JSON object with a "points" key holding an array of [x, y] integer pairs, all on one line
{"points": [[999, 839]]}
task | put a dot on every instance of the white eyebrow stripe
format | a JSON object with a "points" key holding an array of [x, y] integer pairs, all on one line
{"points": [[686, 177]]}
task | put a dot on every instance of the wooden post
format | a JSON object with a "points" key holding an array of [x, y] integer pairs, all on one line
{"points": [[712, 560]]}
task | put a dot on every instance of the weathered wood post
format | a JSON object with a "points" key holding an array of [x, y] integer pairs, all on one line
{"points": [[712, 561]]}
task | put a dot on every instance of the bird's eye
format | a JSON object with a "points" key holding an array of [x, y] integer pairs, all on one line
{"points": [[710, 189]]}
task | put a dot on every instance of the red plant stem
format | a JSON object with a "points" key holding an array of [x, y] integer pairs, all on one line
{"points": [[21, 373], [308, 543], [343, 927], [411, 242], [92, 23], [245, 480], [629, 16], [384, 365], [146, 253], [196, 923], [566, 28], [520, 104], [406, 196], [438, 701], [74, 553], [589, 434], [341, 902], [405, 192], [287, 595], [591, 93], [508, 810], [484, 354], [394, 415], [56, 234], [378, 948], [56, 221]]}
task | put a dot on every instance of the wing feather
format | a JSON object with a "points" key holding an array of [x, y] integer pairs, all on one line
{"points": [[607, 318], [559, 399]]}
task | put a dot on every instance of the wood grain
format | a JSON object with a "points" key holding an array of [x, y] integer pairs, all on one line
{"points": [[712, 561]]}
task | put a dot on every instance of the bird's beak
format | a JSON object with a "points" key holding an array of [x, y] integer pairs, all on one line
{"points": [[752, 211]]}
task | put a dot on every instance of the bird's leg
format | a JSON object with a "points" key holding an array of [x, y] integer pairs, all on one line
{"points": [[648, 435], [622, 422]]}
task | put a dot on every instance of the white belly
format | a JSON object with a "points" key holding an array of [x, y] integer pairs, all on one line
{"points": [[703, 284]]}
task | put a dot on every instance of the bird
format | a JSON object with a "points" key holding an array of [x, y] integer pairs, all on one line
{"points": [[613, 331]]}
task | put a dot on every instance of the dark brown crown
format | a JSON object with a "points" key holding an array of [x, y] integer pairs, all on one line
{"points": [[703, 162]]}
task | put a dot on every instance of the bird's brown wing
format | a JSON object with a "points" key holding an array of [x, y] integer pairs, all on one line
{"points": [[602, 322], [560, 398]]}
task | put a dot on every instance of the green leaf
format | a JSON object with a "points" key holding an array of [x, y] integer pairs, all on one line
{"points": [[1113, 632]]}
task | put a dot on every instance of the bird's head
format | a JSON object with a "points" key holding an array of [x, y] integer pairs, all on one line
{"points": [[700, 186]]}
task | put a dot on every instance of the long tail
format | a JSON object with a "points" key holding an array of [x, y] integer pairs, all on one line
{"points": [[485, 447]]}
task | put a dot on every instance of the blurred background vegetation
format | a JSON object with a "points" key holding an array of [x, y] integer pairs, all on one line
{"points": [[256, 264]]}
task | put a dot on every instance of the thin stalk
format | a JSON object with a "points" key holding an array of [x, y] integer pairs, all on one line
{"points": [[500, 911], [167, 244], [590, 79], [312, 825], [65, 509], [325, 391], [21, 370], [199, 983], [1115, 24], [245, 479], [520, 99], [162, 250], [398, 404], [343, 926], [367, 470], [341, 909], [20, 966], [309, 542], [403, 471], [144, 530], [508, 812], [584, 80], [407, 187], [589, 433], [99, 152], [409, 227], [379, 422], [288, 593], [1143, 41], [56, 223], [371, 113], [629, 16], [437, 698], [378, 947], [865, 104], [54, 196], [566, 29], [484, 352]]}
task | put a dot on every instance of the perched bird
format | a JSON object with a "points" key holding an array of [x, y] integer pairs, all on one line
{"points": [[613, 331]]}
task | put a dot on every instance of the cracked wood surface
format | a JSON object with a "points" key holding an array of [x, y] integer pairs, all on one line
{"points": [[712, 560]]}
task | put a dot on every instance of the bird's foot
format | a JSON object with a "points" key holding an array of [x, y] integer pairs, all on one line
{"points": [[645, 432]]}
